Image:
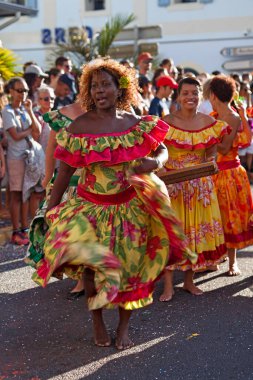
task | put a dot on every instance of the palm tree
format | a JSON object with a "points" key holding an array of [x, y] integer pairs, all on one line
{"points": [[111, 29], [9, 66], [82, 49]]}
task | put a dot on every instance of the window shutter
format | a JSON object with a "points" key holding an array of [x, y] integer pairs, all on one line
{"points": [[163, 3]]}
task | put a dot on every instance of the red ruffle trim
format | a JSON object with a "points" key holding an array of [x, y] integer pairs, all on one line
{"points": [[202, 145], [119, 155], [244, 237], [143, 291], [203, 258]]}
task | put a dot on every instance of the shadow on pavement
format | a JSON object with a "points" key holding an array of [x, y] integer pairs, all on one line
{"points": [[45, 336]]}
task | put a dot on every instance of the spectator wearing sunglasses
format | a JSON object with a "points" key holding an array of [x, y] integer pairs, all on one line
{"points": [[22, 128], [63, 64], [46, 98]]}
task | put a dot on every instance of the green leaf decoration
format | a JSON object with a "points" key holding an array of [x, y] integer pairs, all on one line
{"points": [[159, 259], [109, 173], [99, 188], [76, 144], [110, 186]]}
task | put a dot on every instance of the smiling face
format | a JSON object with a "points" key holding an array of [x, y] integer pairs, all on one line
{"points": [[104, 90], [189, 96]]}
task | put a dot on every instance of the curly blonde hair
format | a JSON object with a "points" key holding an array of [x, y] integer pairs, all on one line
{"points": [[129, 95]]}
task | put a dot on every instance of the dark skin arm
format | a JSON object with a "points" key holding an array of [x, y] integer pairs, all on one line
{"points": [[149, 164], [61, 184]]}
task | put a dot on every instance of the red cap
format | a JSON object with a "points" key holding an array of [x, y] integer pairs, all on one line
{"points": [[145, 56], [166, 81]]}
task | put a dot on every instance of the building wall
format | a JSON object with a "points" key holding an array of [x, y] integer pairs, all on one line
{"points": [[192, 34]]}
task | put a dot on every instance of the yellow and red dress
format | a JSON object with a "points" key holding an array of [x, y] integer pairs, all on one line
{"points": [[195, 201], [234, 196], [119, 224]]}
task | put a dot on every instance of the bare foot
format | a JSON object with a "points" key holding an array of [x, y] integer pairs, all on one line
{"points": [[194, 290], [123, 341], [167, 295], [234, 270], [101, 337], [210, 268], [78, 287]]}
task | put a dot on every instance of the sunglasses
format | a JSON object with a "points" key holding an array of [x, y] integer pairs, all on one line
{"points": [[47, 98], [21, 90]]}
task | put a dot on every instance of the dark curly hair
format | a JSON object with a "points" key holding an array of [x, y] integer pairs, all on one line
{"points": [[223, 87], [116, 70], [188, 80]]}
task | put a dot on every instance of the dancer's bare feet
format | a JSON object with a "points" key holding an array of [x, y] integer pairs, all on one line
{"points": [[233, 267], [167, 295], [233, 270], [78, 287], [210, 268], [101, 337], [122, 339], [189, 284], [168, 291], [193, 289]]}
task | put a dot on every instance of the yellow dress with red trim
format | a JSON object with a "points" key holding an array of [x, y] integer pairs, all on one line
{"points": [[234, 195], [195, 201], [120, 224]]}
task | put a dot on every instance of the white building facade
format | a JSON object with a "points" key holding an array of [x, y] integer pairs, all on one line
{"points": [[204, 35]]}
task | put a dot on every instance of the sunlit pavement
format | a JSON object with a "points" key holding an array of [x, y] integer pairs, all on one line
{"points": [[45, 336]]}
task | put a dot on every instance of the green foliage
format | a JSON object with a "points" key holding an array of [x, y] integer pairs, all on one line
{"points": [[111, 29], [9, 66], [81, 49]]}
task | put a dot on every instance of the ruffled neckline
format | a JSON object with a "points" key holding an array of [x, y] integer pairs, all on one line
{"points": [[195, 130], [135, 142], [197, 139]]}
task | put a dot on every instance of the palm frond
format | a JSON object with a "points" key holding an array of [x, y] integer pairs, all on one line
{"points": [[81, 49], [9, 66], [111, 29]]}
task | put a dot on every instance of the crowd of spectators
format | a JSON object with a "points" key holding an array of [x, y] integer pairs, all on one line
{"points": [[24, 100]]}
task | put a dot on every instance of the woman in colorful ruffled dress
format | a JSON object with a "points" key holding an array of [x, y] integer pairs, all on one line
{"points": [[232, 184], [120, 230], [57, 120], [192, 139]]}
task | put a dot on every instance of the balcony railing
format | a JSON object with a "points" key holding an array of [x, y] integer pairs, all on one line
{"points": [[25, 7]]}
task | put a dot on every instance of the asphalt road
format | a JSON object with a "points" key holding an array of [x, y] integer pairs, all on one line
{"points": [[45, 336]]}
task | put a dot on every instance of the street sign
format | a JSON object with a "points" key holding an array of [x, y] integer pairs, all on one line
{"points": [[238, 65], [237, 51], [128, 51], [140, 33]]}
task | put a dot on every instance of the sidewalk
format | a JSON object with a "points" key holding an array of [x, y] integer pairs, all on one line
{"points": [[5, 226]]}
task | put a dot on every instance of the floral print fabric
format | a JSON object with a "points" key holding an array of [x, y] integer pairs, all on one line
{"points": [[235, 199], [128, 232], [195, 202]]}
